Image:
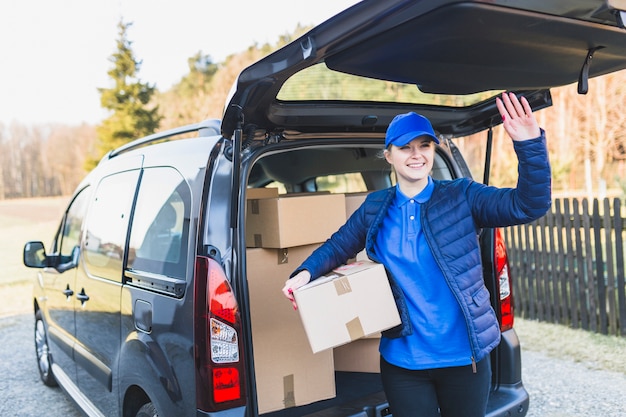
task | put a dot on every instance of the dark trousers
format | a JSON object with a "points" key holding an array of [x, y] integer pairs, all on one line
{"points": [[441, 392]]}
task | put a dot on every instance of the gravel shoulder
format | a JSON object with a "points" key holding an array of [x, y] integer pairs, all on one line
{"points": [[564, 388], [572, 373], [24, 395]]}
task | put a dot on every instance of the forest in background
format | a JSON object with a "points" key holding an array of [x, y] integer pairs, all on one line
{"points": [[586, 134]]}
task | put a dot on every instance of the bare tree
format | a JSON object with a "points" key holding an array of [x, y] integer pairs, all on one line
{"points": [[67, 149], [3, 160], [43, 160], [600, 130]]}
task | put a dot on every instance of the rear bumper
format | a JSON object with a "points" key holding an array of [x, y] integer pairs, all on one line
{"points": [[233, 412], [510, 398], [508, 401]]}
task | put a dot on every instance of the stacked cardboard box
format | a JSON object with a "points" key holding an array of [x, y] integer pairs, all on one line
{"points": [[281, 232], [260, 193], [360, 355], [354, 201], [288, 374], [287, 221]]}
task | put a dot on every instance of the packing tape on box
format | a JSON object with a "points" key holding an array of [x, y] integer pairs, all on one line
{"points": [[283, 256], [254, 206], [355, 330], [342, 286], [354, 327], [289, 391]]}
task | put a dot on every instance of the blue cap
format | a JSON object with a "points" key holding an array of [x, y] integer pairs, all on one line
{"points": [[406, 127]]}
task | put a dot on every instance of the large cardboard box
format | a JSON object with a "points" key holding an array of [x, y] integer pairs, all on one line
{"points": [[354, 201], [288, 221], [259, 193], [352, 302], [361, 355], [288, 374]]}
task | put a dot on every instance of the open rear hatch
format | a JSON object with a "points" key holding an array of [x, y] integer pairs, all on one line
{"points": [[437, 47]]}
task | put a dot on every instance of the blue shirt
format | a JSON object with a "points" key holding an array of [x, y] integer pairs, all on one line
{"points": [[439, 337]]}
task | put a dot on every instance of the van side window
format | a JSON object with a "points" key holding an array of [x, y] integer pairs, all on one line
{"points": [[70, 236], [107, 225], [158, 238]]}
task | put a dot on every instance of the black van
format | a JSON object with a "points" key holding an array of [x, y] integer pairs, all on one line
{"points": [[152, 299]]}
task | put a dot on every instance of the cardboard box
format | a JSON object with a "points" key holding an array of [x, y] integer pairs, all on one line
{"points": [[354, 201], [353, 302], [259, 193], [289, 221], [358, 356], [288, 374]]}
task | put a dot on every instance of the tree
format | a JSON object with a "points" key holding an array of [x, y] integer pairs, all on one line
{"points": [[128, 100], [187, 102], [595, 132], [4, 162], [67, 149], [202, 93]]}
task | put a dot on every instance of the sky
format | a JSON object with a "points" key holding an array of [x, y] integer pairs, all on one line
{"points": [[54, 54]]}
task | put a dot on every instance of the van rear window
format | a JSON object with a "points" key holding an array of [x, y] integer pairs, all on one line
{"points": [[158, 238]]}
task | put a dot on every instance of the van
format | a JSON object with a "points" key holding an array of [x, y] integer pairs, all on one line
{"points": [[160, 294]]}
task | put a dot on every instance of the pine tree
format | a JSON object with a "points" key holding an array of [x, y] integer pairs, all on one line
{"points": [[188, 101], [128, 100]]}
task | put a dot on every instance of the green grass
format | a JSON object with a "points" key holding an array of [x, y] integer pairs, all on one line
{"points": [[594, 350]]}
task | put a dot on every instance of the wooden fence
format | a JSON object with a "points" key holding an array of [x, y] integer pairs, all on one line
{"points": [[568, 267]]}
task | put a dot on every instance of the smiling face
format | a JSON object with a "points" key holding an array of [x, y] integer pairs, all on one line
{"points": [[412, 164]]}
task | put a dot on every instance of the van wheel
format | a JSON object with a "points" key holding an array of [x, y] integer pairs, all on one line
{"points": [[147, 410], [44, 360]]}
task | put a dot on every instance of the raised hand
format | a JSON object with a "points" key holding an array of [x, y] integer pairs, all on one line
{"points": [[517, 117]]}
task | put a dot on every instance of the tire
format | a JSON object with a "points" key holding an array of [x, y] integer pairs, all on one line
{"points": [[147, 410], [42, 349]]}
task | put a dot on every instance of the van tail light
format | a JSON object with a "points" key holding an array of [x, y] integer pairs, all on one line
{"points": [[220, 372], [503, 282]]}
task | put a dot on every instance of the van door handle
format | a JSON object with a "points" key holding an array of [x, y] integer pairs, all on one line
{"points": [[82, 297], [68, 292]]}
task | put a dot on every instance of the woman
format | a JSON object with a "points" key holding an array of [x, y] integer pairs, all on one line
{"points": [[425, 233]]}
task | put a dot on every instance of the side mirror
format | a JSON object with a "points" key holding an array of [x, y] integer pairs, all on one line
{"points": [[72, 261], [35, 255]]}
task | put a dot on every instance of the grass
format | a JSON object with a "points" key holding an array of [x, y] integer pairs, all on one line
{"points": [[594, 350], [22, 220]]}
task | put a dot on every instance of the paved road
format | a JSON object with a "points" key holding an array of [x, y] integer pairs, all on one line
{"points": [[558, 388]]}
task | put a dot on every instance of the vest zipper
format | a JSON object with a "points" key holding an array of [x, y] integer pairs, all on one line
{"points": [[456, 296]]}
